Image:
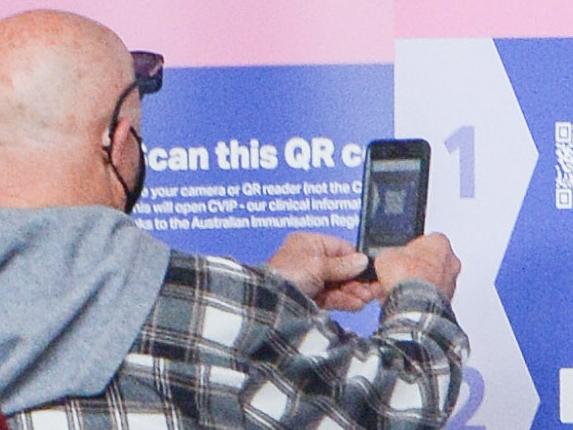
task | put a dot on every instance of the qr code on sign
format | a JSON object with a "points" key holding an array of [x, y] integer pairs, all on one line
{"points": [[564, 166]]}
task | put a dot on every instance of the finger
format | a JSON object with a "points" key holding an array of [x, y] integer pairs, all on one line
{"points": [[434, 242], [338, 300], [360, 290], [336, 247], [457, 265], [386, 258], [345, 268]]}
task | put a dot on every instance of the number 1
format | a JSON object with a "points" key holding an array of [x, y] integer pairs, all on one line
{"points": [[463, 139]]}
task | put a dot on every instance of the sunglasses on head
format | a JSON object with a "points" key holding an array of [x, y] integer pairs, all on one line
{"points": [[148, 68]]}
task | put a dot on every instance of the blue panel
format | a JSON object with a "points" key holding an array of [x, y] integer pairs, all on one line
{"points": [[535, 282]]}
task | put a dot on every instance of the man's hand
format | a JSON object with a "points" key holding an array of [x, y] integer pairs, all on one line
{"points": [[428, 258], [323, 268]]}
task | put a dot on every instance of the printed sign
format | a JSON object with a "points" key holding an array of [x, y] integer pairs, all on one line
{"points": [[239, 157]]}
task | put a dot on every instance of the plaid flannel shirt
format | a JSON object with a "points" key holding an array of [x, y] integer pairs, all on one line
{"points": [[232, 347]]}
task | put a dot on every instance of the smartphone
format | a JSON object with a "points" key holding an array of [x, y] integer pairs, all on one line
{"points": [[394, 194]]}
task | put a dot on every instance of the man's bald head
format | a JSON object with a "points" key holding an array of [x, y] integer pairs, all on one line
{"points": [[60, 74]]}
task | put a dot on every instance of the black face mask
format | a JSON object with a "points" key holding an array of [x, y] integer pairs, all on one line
{"points": [[132, 196]]}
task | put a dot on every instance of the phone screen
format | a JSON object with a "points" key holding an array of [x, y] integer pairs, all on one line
{"points": [[392, 203], [394, 194]]}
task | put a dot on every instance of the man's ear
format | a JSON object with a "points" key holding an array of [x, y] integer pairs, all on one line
{"points": [[119, 142], [123, 159]]}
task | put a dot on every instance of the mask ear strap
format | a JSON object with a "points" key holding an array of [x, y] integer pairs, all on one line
{"points": [[129, 195], [117, 108]]}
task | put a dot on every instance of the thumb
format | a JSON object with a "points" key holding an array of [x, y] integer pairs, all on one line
{"points": [[344, 268]]}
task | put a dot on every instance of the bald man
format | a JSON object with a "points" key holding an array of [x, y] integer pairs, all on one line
{"points": [[104, 327]]}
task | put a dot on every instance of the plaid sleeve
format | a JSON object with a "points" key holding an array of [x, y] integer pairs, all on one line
{"points": [[230, 347]]}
